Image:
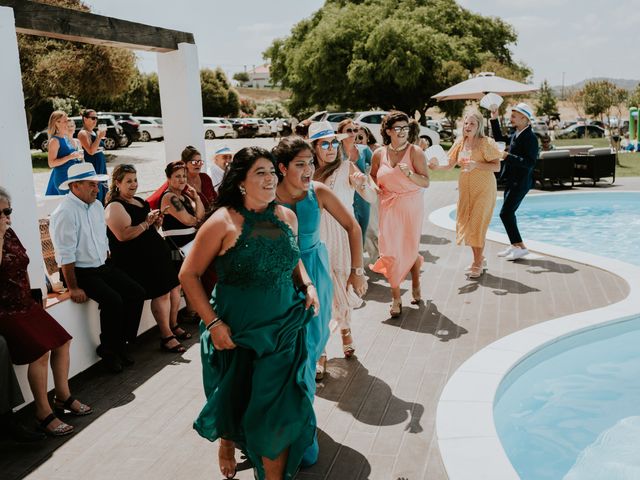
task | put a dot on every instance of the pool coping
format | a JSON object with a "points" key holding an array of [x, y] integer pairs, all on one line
{"points": [[465, 427]]}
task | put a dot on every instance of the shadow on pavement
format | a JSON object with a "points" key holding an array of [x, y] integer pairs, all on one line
{"points": [[501, 286], [337, 462], [428, 319]]}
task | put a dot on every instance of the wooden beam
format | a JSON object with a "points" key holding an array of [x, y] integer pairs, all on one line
{"points": [[33, 18]]}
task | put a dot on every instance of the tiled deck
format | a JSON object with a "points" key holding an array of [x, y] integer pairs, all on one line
{"points": [[376, 412]]}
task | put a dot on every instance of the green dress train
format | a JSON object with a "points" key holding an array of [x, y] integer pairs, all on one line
{"points": [[256, 393]]}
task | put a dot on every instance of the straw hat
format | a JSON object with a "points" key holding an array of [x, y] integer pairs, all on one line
{"points": [[81, 172], [319, 130]]}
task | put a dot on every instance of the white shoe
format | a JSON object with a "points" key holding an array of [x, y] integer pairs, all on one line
{"points": [[506, 251], [517, 253]]}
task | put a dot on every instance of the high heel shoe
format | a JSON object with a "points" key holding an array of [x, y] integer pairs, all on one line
{"points": [[417, 296], [476, 271], [396, 308], [484, 266], [321, 367], [348, 349]]}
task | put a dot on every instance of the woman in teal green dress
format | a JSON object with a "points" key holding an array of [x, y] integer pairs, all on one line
{"points": [[296, 190], [253, 330]]}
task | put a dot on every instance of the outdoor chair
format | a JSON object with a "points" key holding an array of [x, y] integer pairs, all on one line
{"points": [[556, 166], [596, 164]]}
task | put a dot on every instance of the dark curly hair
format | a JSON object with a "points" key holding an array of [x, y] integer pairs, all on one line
{"points": [[387, 122], [287, 150], [229, 192]]}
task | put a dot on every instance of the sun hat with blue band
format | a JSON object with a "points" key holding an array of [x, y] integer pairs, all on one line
{"points": [[222, 151], [524, 109], [319, 130], [81, 172]]}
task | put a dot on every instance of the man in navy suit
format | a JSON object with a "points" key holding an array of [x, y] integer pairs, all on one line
{"points": [[517, 172]]}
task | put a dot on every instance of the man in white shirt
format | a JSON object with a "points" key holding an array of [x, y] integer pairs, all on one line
{"points": [[221, 160], [79, 236]]}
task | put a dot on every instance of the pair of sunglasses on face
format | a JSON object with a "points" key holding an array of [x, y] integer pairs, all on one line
{"points": [[6, 211], [333, 143]]}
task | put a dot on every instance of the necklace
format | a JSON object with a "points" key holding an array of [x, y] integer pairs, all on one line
{"points": [[398, 149]]}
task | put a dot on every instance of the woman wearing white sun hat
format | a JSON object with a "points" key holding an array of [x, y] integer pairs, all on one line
{"points": [[517, 171]]}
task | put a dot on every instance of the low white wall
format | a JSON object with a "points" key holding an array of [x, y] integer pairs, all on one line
{"points": [[82, 321]]}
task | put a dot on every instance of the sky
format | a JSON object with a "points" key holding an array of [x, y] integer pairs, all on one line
{"points": [[563, 41]]}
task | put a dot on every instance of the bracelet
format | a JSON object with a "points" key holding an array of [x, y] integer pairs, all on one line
{"points": [[213, 323]]}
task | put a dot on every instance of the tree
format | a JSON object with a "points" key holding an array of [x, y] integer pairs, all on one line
{"points": [[271, 109], [633, 100], [241, 78], [546, 103], [384, 53], [56, 68], [600, 96], [218, 97], [247, 107]]}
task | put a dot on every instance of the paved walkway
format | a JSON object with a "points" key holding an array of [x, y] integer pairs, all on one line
{"points": [[376, 412]]}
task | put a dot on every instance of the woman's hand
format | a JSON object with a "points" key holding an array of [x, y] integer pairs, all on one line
{"points": [[311, 299], [467, 164], [221, 337], [191, 192], [404, 168], [153, 216], [358, 179], [358, 282], [433, 163]]}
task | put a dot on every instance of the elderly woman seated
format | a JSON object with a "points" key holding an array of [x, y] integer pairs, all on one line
{"points": [[31, 333], [138, 249]]}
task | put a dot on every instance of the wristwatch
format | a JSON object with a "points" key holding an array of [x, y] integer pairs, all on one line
{"points": [[359, 271]]}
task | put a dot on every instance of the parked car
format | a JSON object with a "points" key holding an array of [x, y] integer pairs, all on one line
{"points": [[540, 128], [373, 120], [245, 128], [150, 128], [579, 131], [264, 130], [130, 126], [217, 127], [334, 118], [115, 135]]}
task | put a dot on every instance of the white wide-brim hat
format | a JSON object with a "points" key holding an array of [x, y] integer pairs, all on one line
{"points": [[319, 130], [524, 109], [81, 172]]}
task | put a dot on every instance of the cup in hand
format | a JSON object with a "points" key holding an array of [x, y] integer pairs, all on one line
{"points": [[102, 127], [464, 157], [501, 146]]}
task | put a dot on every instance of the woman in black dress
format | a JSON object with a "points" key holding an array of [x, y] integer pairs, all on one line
{"points": [[138, 249]]}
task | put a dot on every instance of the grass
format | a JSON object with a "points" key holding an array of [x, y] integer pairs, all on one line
{"points": [[629, 161], [40, 164]]}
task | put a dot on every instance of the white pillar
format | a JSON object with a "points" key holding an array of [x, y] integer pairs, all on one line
{"points": [[181, 101], [16, 174]]}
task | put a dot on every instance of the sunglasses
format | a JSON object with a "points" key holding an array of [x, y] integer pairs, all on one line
{"points": [[400, 129], [196, 162], [360, 138], [128, 168], [6, 211], [351, 130], [325, 145], [92, 118]]}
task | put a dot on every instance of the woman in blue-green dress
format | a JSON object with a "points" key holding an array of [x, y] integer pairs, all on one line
{"points": [[253, 330], [297, 190]]}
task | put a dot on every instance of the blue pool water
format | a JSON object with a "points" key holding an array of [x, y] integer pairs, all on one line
{"points": [[606, 224], [572, 410]]}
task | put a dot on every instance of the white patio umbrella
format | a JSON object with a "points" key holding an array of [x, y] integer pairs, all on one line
{"points": [[483, 83]]}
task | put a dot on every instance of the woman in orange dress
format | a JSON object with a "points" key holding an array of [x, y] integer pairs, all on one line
{"points": [[479, 157], [400, 171]]}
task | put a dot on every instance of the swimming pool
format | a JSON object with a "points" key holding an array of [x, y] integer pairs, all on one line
{"points": [[570, 411], [606, 224]]}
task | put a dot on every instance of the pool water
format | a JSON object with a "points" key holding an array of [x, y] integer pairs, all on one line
{"points": [[605, 224], [572, 410]]}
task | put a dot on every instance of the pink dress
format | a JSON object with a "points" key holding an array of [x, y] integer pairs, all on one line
{"points": [[400, 221]]}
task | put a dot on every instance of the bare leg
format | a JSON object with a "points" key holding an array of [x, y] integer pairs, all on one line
{"points": [[274, 469], [477, 256], [60, 370], [37, 376], [174, 296], [395, 293], [161, 310], [415, 273]]}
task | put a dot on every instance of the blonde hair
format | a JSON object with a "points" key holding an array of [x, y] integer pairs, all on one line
{"points": [[53, 118], [473, 113]]}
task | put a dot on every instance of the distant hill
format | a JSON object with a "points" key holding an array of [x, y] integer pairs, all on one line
{"points": [[620, 82]]}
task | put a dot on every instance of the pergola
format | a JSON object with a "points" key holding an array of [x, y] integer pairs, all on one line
{"points": [[180, 96]]}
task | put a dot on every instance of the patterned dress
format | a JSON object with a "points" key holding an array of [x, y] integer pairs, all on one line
{"points": [[476, 194]]}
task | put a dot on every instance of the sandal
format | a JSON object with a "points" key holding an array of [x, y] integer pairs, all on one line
{"points": [[475, 272], [61, 407], [321, 367], [396, 308], [484, 266], [179, 348], [231, 459], [60, 431], [180, 332], [417, 296], [348, 349]]}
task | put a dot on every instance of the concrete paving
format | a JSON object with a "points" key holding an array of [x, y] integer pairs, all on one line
{"points": [[376, 412]]}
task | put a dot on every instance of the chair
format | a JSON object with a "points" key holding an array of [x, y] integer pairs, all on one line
{"points": [[596, 164], [557, 166]]}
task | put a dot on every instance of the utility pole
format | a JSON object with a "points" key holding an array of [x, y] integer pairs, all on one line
{"points": [[562, 91]]}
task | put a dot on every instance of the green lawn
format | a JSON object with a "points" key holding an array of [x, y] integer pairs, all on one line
{"points": [[40, 164], [629, 161]]}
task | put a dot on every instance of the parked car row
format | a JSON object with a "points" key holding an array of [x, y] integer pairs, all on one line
{"points": [[114, 138]]}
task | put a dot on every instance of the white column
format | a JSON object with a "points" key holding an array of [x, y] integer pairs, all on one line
{"points": [[181, 100], [16, 174]]}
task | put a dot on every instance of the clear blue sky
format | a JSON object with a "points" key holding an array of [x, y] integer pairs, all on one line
{"points": [[582, 38]]}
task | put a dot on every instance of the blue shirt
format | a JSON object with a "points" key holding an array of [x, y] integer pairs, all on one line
{"points": [[79, 233]]}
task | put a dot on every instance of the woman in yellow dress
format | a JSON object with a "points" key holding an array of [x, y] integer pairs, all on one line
{"points": [[479, 157]]}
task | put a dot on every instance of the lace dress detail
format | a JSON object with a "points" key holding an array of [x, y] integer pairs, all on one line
{"points": [[264, 255]]}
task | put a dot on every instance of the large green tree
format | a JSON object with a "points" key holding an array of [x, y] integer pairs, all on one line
{"points": [[361, 54], [599, 97], [546, 103], [218, 97], [56, 68]]}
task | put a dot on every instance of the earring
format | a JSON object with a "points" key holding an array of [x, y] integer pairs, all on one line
{"points": [[243, 190]]}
